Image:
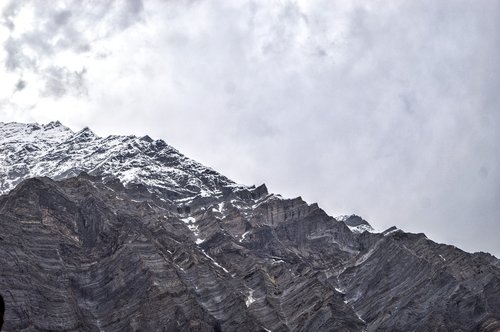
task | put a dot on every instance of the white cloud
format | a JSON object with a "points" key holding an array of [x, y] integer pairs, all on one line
{"points": [[389, 110]]}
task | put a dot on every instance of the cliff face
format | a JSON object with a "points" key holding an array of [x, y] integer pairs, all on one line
{"points": [[195, 251]]}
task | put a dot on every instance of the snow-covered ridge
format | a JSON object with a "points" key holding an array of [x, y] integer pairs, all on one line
{"points": [[53, 150], [356, 224], [362, 228]]}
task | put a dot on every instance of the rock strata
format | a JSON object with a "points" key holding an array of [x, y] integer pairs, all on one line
{"points": [[180, 247]]}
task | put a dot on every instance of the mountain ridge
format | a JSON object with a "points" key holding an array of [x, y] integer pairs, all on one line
{"points": [[66, 153], [181, 247]]}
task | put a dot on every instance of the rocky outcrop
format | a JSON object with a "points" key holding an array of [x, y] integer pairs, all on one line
{"points": [[96, 253], [53, 150], [405, 281], [78, 254], [86, 254]]}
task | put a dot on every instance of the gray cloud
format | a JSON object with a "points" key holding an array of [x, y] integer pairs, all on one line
{"points": [[20, 85], [58, 80], [387, 111], [62, 26]]}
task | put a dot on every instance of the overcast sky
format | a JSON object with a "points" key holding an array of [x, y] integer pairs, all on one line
{"points": [[386, 109]]}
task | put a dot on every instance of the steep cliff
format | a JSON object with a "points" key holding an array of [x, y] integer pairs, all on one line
{"points": [[125, 233]]}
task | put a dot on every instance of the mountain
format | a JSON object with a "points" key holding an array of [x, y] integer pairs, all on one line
{"points": [[126, 233], [356, 223], [53, 150]]}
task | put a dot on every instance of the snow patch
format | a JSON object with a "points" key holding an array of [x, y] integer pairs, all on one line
{"points": [[190, 222], [55, 151], [243, 236], [392, 231], [250, 299], [361, 229], [214, 261], [342, 218]]}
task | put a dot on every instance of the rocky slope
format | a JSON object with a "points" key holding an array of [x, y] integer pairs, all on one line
{"points": [[146, 239], [53, 150]]}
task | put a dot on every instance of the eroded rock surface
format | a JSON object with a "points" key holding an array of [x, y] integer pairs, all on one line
{"points": [[187, 249]]}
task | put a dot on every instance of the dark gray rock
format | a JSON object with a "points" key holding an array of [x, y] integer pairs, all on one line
{"points": [[82, 255], [79, 255], [177, 246]]}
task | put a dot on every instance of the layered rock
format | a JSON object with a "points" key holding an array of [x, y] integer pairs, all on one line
{"points": [[177, 246], [78, 254]]}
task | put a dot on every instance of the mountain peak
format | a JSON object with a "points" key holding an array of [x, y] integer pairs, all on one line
{"points": [[57, 152], [85, 134], [140, 236], [355, 223], [53, 124]]}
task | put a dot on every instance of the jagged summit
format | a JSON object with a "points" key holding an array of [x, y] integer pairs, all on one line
{"points": [[53, 150], [356, 223], [126, 233]]}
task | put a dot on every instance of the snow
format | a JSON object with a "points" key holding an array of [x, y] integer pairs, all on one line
{"points": [[205, 193], [342, 218], [130, 175], [257, 204], [359, 316], [367, 255], [213, 260], [190, 222], [250, 299], [340, 290], [390, 232], [53, 150], [361, 229], [244, 235], [219, 208]]}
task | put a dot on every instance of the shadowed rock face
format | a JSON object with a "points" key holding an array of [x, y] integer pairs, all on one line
{"points": [[80, 255], [94, 253], [77, 255]]}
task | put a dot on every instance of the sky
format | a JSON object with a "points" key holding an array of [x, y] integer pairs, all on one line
{"points": [[386, 109]]}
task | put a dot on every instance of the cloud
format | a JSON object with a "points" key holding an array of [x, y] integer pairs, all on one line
{"points": [[41, 30], [60, 79], [387, 110], [20, 85]]}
